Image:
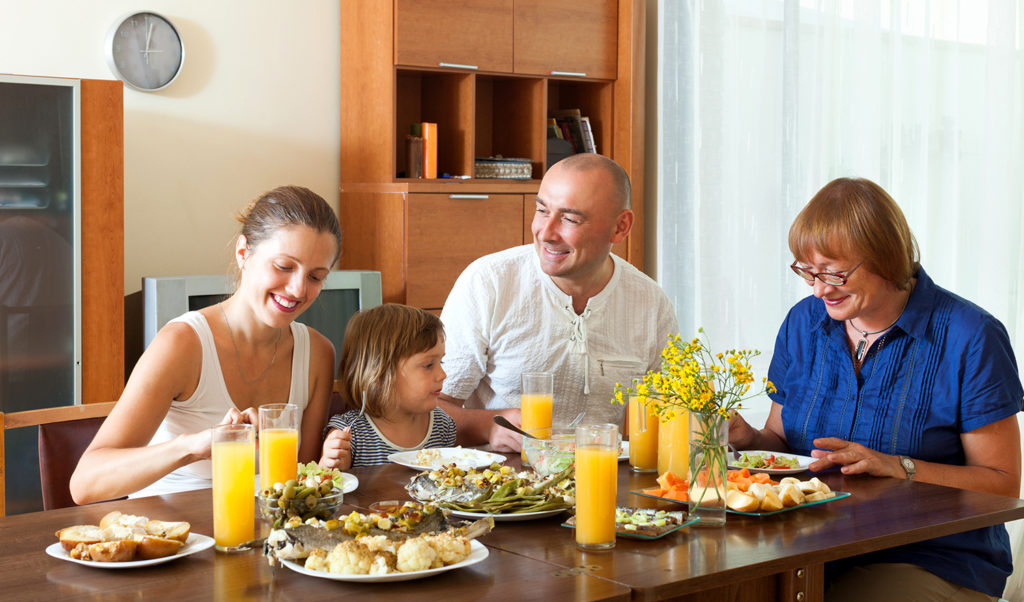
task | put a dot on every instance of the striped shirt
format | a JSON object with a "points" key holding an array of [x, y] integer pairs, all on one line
{"points": [[370, 447]]}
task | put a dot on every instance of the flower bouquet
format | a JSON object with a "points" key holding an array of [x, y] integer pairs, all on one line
{"points": [[711, 387]]}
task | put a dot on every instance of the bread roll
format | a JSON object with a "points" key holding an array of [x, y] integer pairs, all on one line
{"points": [[741, 502], [178, 530], [771, 501], [791, 495], [110, 518], [757, 490], [815, 484], [789, 481], [150, 546], [113, 551], [816, 496], [79, 534]]}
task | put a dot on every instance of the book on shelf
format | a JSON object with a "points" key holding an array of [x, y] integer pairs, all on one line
{"points": [[429, 149], [588, 135], [576, 129], [554, 131], [414, 156]]}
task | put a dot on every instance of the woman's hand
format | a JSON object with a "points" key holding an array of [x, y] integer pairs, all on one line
{"points": [[247, 416], [740, 432], [337, 449], [854, 458], [503, 439]]}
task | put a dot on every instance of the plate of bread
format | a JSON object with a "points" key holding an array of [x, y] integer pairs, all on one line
{"points": [[123, 541], [762, 499]]}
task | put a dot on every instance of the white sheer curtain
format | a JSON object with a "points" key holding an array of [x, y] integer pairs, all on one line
{"points": [[762, 102]]}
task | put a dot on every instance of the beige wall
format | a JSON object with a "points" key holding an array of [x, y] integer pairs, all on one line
{"points": [[256, 106]]}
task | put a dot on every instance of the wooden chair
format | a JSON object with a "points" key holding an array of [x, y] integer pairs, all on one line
{"points": [[64, 433]]}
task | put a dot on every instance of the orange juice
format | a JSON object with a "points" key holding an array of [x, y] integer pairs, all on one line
{"points": [[234, 473], [596, 472], [674, 445], [643, 444], [535, 413], [278, 456]]}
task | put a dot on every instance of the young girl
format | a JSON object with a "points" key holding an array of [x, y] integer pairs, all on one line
{"points": [[220, 363], [391, 377]]}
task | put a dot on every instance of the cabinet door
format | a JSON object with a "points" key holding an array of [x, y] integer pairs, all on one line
{"points": [[436, 33], [446, 232], [571, 36]]}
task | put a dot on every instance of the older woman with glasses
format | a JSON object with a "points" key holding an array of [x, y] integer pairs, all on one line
{"points": [[882, 372]]}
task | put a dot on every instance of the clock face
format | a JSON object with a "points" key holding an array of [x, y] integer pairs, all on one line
{"points": [[145, 51]]}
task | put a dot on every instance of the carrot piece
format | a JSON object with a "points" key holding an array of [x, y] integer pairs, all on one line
{"points": [[760, 477]]}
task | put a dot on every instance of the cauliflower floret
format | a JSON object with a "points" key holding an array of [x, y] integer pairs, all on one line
{"points": [[383, 563], [317, 560], [450, 548], [350, 558], [416, 555]]}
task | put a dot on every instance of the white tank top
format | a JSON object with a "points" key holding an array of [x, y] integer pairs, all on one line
{"points": [[211, 401]]}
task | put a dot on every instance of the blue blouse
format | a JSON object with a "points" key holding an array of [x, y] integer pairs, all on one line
{"points": [[370, 447], [945, 368]]}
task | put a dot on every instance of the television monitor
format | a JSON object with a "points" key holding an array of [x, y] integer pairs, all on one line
{"points": [[344, 293]]}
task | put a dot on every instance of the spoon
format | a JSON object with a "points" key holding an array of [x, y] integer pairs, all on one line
{"points": [[502, 421], [576, 420]]}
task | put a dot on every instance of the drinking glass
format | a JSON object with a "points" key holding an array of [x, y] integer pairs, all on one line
{"points": [[535, 404], [233, 447], [597, 461], [279, 443], [643, 432]]}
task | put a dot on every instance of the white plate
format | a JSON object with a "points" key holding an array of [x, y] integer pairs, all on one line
{"points": [[803, 461], [624, 451], [477, 553], [195, 543], [508, 517], [462, 456]]}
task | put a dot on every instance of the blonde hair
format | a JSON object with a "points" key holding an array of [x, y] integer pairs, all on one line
{"points": [[376, 341], [854, 218]]}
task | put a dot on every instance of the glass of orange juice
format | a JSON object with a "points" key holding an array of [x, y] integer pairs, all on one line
{"points": [[279, 443], [535, 404], [643, 432], [597, 462], [233, 448], [674, 444]]}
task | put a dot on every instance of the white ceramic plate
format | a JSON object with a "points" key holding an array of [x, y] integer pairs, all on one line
{"points": [[195, 543], [512, 517], [477, 553], [464, 457], [803, 462]]}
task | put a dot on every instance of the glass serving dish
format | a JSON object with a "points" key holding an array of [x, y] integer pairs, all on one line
{"points": [[276, 510]]}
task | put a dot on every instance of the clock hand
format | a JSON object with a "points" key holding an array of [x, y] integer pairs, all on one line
{"points": [[149, 36]]}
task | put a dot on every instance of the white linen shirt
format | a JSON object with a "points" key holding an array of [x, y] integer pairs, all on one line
{"points": [[505, 316]]}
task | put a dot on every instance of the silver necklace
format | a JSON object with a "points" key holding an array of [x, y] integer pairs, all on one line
{"points": [[862, 344], [238, 356]]}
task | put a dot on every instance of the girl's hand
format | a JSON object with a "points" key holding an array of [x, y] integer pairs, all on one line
{"points": [[854, 458], [337, 449], [248, 416]]}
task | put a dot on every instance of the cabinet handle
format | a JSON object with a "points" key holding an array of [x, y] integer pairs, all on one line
{"points": [[457, 66], [569, 73], [468, 196]]}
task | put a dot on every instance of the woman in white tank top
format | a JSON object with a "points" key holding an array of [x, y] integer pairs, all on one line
{"points": [[219, 364]]}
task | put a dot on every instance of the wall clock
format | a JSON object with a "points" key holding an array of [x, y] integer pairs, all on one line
{"points": [[145, 51]]}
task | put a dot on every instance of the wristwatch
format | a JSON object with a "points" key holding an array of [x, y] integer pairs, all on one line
{"points": [[908, 466]]}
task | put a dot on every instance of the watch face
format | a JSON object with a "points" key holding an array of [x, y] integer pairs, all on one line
{"points": [[145, 51]]}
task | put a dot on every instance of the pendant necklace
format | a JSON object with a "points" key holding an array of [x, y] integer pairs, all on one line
{"points": [[238, 356], [862, 344]]}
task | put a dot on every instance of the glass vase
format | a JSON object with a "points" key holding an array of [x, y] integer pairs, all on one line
{"points": [[708, 462]]}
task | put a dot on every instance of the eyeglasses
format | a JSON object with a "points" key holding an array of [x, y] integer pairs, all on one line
{"points": [[829, 278]]}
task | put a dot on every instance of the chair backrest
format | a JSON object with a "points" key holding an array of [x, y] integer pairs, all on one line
{"points": [[67, 431]]}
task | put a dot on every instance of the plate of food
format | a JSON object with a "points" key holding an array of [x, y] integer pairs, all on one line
{"points": [[644, 523], [769, 462], [501, 493], [478, 553], [435, 458], [195, 543], [508, 516]]}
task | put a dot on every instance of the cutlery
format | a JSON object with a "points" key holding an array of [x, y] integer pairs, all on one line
{"points": [[502, 421], [577, 419]]}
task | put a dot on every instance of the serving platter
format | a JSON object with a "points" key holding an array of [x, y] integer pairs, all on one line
{"points": [[194, 543], [838, 496], [509, 517], [648, 533], [461, 456], [477, 553], [802, 461]]}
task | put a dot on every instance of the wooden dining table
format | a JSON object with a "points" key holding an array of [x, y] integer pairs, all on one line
{"points": [[777, 557]]}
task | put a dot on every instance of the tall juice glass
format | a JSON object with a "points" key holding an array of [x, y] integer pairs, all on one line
{"points": [[597, 461], [674, 445], [234, 474], [279, 443], [535, 404], [643, 432]]}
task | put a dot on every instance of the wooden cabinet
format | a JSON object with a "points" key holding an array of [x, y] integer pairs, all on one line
{"points": [[575, 38], [492, 97], [454, 33]]}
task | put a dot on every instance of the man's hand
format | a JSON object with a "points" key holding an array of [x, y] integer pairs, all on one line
{"points": [[337, 449], [503, 439]]}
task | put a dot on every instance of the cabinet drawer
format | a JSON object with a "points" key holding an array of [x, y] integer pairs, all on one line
{"points": [[444, 235], [576, 37], [438, 33]]}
